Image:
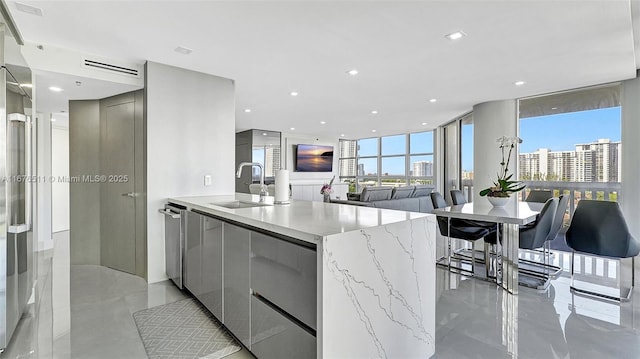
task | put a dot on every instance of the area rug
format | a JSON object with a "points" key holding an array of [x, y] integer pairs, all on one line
{"points": [[181, 330]]}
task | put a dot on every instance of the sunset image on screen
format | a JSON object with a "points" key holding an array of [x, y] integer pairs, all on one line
{"points": [[314, 158]]}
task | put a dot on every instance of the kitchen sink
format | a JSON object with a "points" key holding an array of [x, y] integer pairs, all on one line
{"points": [[239, 204]]}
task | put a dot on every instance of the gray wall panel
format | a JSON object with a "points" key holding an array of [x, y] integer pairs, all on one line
{"points": [[84, 159]]}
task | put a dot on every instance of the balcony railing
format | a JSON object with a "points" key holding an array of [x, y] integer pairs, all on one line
{"points": [[575, 190]]}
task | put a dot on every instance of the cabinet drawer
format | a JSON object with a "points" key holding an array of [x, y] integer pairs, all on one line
{"points": [[273, 336], [285, 274]]}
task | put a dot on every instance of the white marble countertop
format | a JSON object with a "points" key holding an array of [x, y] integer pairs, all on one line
{"points": [[514, 212], [305, 220]]}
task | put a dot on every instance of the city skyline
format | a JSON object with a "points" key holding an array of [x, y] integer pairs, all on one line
{"points": [[557, 132], [598, 161]]}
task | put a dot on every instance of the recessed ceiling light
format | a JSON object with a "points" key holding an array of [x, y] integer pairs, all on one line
{"points": [[264, 133], [29, 9], [53, 120], [374, 130], [554, 108], [455, 35], [424, 124], [293, 93], [433, 100], [292, 128], [322, 122], [352, 72], [78, 83], [247, 110], [183, 50], [374, 112], [342, 135], [519, 83], [26, 85], [55, 89]]}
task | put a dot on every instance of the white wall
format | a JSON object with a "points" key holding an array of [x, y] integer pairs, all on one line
{"points": [[290, 140], [190, 133], [492, 120], [60, 168]]}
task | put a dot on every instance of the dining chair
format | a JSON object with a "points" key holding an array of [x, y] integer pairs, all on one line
{"points": [[457, 197], [539, 196], [558, 220], [462, 229], [534, 235], [599, 228]]}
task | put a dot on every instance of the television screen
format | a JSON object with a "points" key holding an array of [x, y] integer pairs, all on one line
{"points": [[314, 158]]}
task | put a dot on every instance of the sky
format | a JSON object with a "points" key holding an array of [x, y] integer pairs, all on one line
{"points": [[313, 150], [559, 132]]}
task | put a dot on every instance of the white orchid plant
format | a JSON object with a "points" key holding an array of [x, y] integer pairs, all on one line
{"points": [[503, 186]]}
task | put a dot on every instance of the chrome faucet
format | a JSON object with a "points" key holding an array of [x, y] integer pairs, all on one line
{"points": [[263, 189]]}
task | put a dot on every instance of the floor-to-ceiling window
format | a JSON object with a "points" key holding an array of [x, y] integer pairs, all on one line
{"points": [[395, 160], [466, 155], [421, 164], [571, 143], [457, 143]]}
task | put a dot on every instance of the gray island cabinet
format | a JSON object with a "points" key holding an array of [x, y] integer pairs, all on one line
{"points": [[314, 280]]}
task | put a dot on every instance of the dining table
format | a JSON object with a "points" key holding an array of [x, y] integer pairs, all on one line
{"points": [[508, 219]]}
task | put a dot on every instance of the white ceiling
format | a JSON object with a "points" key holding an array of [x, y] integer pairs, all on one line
{"points": [[272, 48], [88, 89]]}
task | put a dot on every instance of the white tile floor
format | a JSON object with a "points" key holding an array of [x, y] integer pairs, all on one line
{"points": [[85, 312]]}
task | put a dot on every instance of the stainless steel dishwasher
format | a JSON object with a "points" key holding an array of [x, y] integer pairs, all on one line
{"points": [[174, 228]]}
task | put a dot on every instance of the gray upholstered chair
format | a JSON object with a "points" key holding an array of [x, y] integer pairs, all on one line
{"points": [[534, 236], [599, 228], [461, 229], [539, 196], [563, 201], [457, 197], [558, 220]]}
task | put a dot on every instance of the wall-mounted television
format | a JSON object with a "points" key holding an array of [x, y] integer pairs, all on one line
{"points": [[314, 158]]}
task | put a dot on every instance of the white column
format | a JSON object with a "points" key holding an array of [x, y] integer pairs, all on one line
{"points": [[630, 192], [492, 120], [630, 182]]}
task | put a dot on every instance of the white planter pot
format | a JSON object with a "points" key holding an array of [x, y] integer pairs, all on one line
{"points": [[498, 201]]}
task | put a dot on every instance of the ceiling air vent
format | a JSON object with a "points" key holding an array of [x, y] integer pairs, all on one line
{"points": [[111, 68]]}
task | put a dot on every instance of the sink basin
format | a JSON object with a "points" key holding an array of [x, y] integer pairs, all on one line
{"points": [[239, 204]]}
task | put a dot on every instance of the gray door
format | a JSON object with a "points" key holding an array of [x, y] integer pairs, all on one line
{"points": [[117, 184]]}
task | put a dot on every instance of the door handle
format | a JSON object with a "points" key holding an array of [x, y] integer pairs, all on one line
{"points": [[167, 212], [130, 194]]}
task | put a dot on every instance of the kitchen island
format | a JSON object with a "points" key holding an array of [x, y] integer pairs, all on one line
{"points": [[314, 279]]}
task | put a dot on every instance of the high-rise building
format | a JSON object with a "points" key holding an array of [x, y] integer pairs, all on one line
{"points": [[271, 161], [590, 162], [423, 169], [348, 150], [604, 159]]}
